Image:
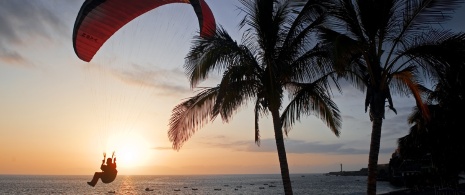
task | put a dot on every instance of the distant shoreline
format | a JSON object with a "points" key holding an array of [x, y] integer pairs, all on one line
{"points": [[348, 173], [383, 170]]}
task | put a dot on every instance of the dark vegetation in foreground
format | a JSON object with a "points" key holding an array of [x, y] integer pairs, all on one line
{"points": [[432, 155]]}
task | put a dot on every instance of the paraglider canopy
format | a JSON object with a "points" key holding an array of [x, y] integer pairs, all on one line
{"points": [[98, 20]]}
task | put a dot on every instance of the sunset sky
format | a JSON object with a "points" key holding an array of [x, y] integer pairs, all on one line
{"points": [[58, 114]]}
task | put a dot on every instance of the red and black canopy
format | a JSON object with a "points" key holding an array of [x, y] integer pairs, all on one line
{"points": [[98, 20]]}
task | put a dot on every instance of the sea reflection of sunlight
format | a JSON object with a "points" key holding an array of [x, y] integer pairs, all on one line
{"points": [[127, 185]]}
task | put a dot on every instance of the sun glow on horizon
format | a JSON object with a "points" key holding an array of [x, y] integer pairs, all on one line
{"points": [[130, 149]]}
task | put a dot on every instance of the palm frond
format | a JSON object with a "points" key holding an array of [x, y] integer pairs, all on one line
{"points": [[310, 66], [297, 4], [260, 17], [396, 81], [298, 44], [345, 57], [419, 14], [414, 116], [232, 95], [238, 84], [258, 112], [412, 45], [311, 99], [356, 74], [212, 53], [407, 78], [435, 51], [191, 115], [310, 16], [345, 18]]}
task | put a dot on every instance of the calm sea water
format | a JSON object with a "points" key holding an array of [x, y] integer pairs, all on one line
{"points": [[208, 184]]}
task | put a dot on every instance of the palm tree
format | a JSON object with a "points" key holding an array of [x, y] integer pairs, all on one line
{"points": [[276, 58], [382, 46]]}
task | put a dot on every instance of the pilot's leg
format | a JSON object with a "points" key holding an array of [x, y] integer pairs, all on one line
{"points": [[94, 181]]}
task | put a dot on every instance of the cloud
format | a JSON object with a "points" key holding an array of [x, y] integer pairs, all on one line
{"points": [[165, 81], [292, 146], [396, 126], [22, 22], [162, 148], [28, 18], [13, 58]]}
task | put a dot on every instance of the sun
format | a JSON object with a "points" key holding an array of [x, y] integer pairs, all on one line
{"points": [[130, 150]]}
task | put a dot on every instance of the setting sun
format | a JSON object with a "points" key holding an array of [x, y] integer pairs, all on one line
{"points": [[129, 148]]}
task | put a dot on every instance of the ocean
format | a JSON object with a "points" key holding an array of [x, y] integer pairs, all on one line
{"points": [[189, 184]]}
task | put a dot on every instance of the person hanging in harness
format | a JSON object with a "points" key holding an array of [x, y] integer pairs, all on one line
{"points": [[108, 173]]}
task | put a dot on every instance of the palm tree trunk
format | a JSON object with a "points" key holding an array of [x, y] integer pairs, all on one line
{"points": [[376, 114], [281, 152]]}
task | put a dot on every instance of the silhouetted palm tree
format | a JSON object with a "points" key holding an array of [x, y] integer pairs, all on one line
{"points": [[275, 58], [381, 46]]}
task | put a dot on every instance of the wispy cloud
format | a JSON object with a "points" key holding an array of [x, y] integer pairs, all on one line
{"points": [[292, 146], [166, 82], [395, 127], [302, 147], [24, 21], [162, 148], [13, 58]]}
